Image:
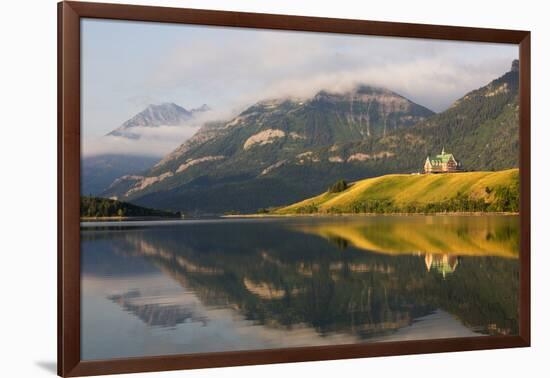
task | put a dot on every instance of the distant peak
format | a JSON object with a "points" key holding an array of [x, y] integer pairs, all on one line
{"points": [[515, 66], [360, 89], [169, 104], [202, 108], [364, 88], [163, 114]]}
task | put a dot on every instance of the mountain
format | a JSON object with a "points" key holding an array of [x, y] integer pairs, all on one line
{"points": [[166, 114], [266, 136], [481, 128], [99, 171], [281, 151], [399, 193]]}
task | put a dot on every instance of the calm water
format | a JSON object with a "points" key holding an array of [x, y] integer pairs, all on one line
{"points": [[208, 286]]}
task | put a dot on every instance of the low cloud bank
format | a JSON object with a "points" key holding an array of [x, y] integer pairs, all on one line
{"points": [[280, 64], [152, 141]]}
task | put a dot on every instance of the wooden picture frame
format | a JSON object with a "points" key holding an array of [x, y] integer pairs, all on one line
{"points": [[69, 16]]}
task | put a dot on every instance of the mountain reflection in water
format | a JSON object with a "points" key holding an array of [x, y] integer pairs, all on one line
{"points": [[206, 286]]}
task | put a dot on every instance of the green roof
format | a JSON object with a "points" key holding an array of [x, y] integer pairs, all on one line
{"points": [[442, 158]]}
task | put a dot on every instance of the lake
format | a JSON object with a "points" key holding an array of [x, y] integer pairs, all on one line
{"points": [[193, 286]]}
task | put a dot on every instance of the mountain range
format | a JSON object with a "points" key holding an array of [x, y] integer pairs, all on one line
{"points": [[280, 151]]}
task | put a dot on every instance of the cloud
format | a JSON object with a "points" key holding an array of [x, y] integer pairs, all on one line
{"points": [[446, 82], [241, 70], [153, 141]]}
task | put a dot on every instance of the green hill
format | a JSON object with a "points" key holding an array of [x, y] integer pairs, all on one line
{"points": [[96, 207], [406, 193]]}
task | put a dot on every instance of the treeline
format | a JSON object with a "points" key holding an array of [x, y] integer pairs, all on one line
{"points": [[504, 199], [103, 207]]}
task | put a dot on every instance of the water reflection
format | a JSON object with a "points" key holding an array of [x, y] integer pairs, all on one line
{"points": [[464, 235], [233, 285], [153, 313]]}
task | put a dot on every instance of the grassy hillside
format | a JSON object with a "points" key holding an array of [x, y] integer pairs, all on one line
{"points": [[451, 192], [96, 207]]}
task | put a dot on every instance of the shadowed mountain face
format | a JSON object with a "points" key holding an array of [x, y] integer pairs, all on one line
{"points": [[99, 172], [363, 278], [278, 152]]}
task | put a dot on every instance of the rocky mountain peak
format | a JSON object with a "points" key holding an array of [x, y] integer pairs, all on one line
{"points": [[155, 115]]}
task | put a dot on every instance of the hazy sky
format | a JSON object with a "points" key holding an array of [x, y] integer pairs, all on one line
{"points": [[127, 65]]}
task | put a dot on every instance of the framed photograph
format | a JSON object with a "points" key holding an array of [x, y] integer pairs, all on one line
{"points": [[239, 188]]}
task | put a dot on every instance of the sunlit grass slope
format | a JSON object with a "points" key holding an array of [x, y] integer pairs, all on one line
{"points": [[402, 190]]}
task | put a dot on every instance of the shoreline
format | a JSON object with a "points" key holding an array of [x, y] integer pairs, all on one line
{"points": [[478, 213], [118, 218], [115, 219]]}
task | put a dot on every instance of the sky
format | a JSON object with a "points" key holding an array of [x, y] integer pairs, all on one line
{"points": [[127, 65]]}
